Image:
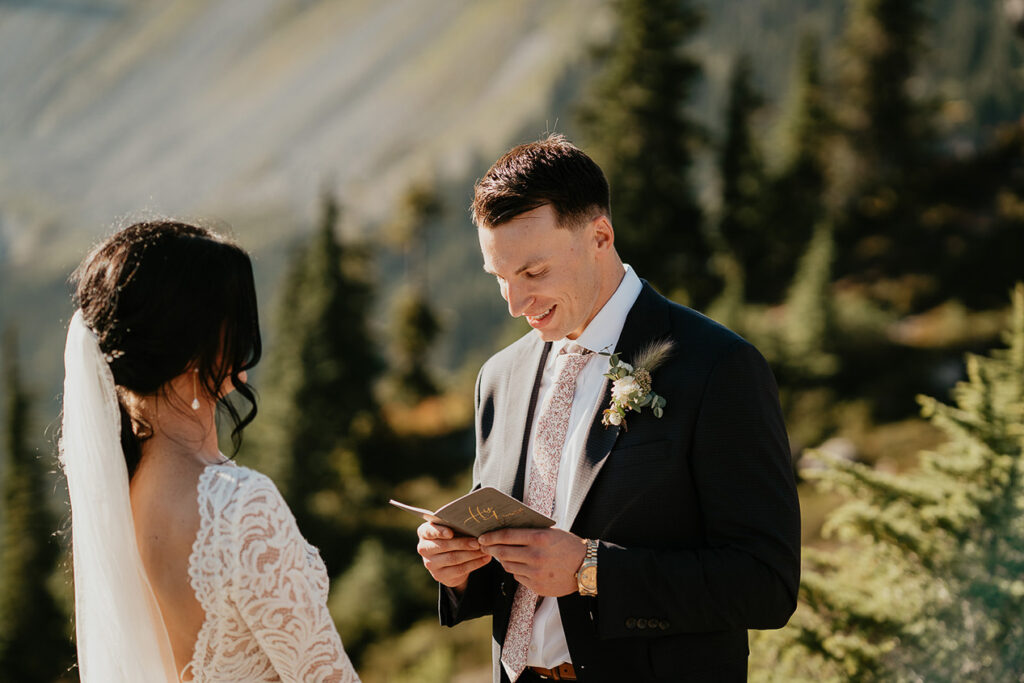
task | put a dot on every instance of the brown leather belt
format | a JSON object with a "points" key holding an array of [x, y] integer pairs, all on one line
{"points": [[562, 672]]}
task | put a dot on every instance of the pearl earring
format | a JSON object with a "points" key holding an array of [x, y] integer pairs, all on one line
{"points": [[195, 392]]}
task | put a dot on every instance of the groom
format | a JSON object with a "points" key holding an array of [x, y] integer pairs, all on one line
{"points": [[674, 535]]}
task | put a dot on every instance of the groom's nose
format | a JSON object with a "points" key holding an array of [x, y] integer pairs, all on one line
{"points": [[518, 298]]}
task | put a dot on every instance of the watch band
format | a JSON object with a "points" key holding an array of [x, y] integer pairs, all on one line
{"points": [[586, 576]]}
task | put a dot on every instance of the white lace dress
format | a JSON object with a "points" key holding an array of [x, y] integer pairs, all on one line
{"points": [[262, 586]]}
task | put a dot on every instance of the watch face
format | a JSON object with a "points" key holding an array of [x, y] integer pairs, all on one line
{"points": [[588, 577]]}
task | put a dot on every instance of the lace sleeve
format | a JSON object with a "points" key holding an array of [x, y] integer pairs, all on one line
{"points": [[281, 590]]}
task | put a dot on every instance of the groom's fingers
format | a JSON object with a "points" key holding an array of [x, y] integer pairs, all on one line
{"points": [[513, 537], [434, 531], [449, 558], [433, 548], [452, 569], [515, 558], [453, 563]]}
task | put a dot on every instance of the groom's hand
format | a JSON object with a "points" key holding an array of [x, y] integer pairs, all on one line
{"points": [[449, 558], [543, 560]]}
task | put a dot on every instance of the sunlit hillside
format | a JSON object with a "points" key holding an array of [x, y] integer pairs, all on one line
{"points": [[243, 111]]}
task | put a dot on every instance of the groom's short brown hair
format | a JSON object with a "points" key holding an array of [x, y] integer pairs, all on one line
{"points": [[550, 171]]}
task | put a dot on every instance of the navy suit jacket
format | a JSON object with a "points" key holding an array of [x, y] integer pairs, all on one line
{"points": [[696, 512]]}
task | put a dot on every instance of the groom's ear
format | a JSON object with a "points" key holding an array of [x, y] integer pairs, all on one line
{"points": [[604, 234]]}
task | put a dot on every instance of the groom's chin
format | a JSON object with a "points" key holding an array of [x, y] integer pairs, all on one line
{"points": [[548, 335]]}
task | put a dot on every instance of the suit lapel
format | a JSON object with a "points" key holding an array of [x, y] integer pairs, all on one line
{"points": [[647, 320], [529, 363]]}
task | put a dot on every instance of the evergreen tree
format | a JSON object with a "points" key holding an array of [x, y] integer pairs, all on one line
{"points": [[809, 122], [742, 223], [419, 208], [889, 129], [808, 330], [888, 138], [417, 327], [635, 127], [795, 200], [416, 324], [927, 585], [33, 631], [320, 410]]}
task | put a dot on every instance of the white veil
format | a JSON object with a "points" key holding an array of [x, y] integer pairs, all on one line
{"points": [[121, 635]]}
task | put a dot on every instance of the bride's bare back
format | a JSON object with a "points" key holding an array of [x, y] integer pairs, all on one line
{"points": [[166, 514]]}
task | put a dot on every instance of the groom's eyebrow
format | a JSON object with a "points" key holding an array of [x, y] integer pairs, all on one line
{"points": [[527, 266]]}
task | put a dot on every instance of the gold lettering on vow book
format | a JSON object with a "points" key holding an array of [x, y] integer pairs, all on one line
{"points": [[481, 515], [481, 511]]}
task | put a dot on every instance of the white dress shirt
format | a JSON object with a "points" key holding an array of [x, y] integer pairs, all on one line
{"points": [[548, 647]]}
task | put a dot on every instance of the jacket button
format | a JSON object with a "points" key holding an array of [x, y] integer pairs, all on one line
{"points": [[641, 624], [631, 623]]}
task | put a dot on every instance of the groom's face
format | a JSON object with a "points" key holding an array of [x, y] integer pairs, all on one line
{"points": [[548, 274]]}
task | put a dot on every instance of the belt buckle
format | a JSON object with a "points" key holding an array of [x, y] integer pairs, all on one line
{"points": [[562, 672]]}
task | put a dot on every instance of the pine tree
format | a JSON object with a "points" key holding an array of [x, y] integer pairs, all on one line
{"points": [[927, 584], [416, 329], [416, 323], [809, 124], [319, 404], [888, 128], [888, 138], [808, 329], [34, 644], [419, 208], [636, 129], [742, 223], [796, 197]]}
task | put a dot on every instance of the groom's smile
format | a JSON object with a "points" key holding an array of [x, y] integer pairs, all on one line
{"points": [[538, 320]]}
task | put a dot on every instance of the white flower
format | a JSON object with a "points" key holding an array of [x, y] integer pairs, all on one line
{"points": [[623, 389], [631, 385]]}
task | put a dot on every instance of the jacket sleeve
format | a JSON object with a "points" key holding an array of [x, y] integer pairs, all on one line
{"points": [[746, 572], [476, 601]]}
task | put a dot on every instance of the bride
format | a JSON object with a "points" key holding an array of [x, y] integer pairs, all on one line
{"points": [[187, 566]]}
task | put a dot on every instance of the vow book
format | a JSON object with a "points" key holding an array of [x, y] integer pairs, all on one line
{"points": [[481, 511]]}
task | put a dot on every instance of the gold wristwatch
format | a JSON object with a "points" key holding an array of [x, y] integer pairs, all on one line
{"points": [[586, 575]]}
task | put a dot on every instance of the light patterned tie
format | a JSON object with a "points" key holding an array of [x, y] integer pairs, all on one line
{"points": [[547, 453]]}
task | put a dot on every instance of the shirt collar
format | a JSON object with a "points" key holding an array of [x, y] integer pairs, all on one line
{"points": [[602, 334]]}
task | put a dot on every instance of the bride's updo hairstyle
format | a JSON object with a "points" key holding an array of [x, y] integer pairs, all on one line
{"points": [[163, 298]]}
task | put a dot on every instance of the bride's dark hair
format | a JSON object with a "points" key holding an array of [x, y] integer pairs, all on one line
{"points": [[163, 297]]}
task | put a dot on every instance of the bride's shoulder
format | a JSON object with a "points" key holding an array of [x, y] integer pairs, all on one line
{"points": [[229, 483]]}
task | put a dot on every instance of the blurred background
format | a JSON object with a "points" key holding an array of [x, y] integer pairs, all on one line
{"points": [[841, 181]]}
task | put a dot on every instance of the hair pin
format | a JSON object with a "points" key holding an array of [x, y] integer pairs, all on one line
{"points": [[113, 355]]}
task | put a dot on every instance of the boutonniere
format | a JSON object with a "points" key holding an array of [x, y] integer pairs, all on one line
{"points": [[631, 384]]}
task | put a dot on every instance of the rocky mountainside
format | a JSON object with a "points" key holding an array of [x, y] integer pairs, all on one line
{"points": [[248, 107], [244, 110]]}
